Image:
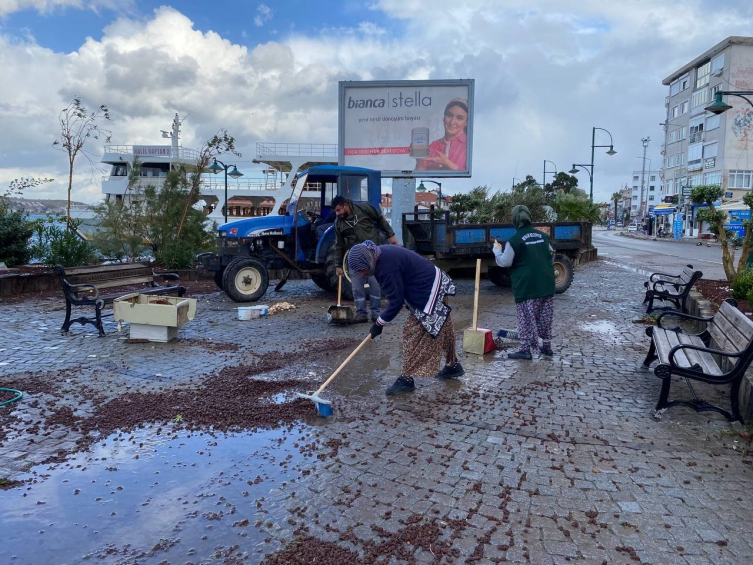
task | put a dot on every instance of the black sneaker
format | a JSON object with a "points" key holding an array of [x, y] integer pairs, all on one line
{"points": [[451, 371], [401, 385], [521, 354], [360, 319], [547, 351], [374, 318]]}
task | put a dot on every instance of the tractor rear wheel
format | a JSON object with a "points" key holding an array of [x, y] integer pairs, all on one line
{"points": [[331, 274], [563, 273], [245, 280], [500, 277], [322, 282]]}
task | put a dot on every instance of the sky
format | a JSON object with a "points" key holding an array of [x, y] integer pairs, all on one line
{"points": [[546, 72]]}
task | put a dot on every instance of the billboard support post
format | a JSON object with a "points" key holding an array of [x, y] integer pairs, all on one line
{"points": [[403, 201]]}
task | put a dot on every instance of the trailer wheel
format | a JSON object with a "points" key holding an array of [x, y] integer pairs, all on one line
{"points": [[563, 273], [500, 277], [331, 274], [245, 280], [218, 276]]}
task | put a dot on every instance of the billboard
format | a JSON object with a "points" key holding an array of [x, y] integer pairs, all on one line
{"points": [[407, 128]]}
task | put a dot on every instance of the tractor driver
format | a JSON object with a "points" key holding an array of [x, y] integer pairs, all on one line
{"points": [[356, 223]]}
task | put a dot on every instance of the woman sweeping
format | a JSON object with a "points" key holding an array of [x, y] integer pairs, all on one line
{"points": [[407, 278]]}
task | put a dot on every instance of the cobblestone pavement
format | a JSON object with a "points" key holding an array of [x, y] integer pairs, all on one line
{"points": [[551, 461]]}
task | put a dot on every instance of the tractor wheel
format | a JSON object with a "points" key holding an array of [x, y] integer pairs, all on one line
{"points": [[331, 275], [500, 277], [563, 273], [322, 282], [245, 280], [218, 275]]}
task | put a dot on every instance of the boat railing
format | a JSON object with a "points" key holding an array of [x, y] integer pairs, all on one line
{"points": [[218, 183], [297, 149]]}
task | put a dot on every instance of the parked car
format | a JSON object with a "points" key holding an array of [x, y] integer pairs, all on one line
{"points": [[632, 227], [619, 224]]}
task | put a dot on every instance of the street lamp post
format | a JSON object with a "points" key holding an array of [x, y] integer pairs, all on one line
{"points": [[593, 149], [719, 107], [218, 166], [586, 167], [422, 188], [513, 182], [543, 181]]}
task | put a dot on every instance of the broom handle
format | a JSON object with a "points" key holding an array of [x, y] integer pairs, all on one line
{"points": [[339, 289], [475, 294], [344, 363]]}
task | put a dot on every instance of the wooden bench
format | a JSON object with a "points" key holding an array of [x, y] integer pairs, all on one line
{"points": [[82, 285], [672, 288], [718, 355]]}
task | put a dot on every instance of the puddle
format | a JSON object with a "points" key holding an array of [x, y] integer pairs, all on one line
{"points": [[601, 327], [133, 496]]}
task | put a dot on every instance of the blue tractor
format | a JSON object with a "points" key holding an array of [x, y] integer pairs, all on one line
{"points": [[300, 240]]}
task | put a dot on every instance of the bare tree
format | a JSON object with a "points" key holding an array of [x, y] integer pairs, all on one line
{"points": [[77, 125]]}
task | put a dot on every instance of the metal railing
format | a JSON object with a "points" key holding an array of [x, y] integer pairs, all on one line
{"points": [[182, 152], [297, 149]]}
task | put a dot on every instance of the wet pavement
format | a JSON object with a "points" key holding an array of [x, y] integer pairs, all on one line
{"points": [[198, 451]]}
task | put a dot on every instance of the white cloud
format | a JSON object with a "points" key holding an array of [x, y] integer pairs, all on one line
{"points": [[264, 15], [544, 76], [48, 6]]}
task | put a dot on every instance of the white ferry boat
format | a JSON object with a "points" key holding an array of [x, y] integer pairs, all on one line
{"points": [[253, 193]]}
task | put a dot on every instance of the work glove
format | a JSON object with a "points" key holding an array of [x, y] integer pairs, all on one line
{"points": [[497, 247], [375, 331]]}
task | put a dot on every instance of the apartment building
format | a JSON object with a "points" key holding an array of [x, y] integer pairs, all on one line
{"points": [[700, 147], [652, 192]]}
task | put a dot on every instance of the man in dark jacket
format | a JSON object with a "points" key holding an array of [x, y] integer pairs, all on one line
{"points": [[357, 223], [529, 256]]}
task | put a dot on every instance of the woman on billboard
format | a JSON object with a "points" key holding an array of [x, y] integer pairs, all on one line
{"points": [[448, 153]]}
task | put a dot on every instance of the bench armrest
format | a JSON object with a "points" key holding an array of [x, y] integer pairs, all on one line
{"points": [[168, 276], [75, 289], [651, 278], [681, 315], [676, 348]]}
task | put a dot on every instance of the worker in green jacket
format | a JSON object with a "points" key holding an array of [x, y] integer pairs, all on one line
{"points": [[357, 223], [529, 256]]}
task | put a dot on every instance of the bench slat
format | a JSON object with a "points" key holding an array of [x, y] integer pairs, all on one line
{"points": [[122, 282], [665, 341], [111, 269], [722, 328], [739, 320], [705, 360]]}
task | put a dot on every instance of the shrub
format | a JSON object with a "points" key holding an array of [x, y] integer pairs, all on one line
{"points": [[59, 244], [742, 285], [15, 232], [177, 255]]}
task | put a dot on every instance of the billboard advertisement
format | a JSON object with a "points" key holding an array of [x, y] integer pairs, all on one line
{"points": [[407, 128]]}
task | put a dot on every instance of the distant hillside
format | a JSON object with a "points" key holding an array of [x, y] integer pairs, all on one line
{"points": [[42, 206]]}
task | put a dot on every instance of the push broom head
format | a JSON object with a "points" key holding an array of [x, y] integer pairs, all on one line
{"points": [[323, 407]]}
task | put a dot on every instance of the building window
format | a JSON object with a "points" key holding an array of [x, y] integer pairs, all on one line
{"points": [[635, 197], [651, 197], [684, 107], [696, 180], [695, 153], [696, 131], [702, 75], [713, 178], [740, 179], [653, 178], [712, 122], [717, 65], [635, 178], [674, 112], [651, 188], [710, 150], [700, 97]]}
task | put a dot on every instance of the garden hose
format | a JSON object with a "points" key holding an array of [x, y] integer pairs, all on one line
{"points": [[18, 396]]}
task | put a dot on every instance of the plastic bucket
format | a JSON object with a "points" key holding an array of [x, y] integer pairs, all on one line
{"points": [[248, 312], [262, 309]]}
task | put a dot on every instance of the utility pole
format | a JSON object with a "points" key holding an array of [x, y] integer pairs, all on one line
{"points": [[644, 141]]}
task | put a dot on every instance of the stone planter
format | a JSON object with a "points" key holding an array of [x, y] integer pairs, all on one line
{"points": [[154, 318]]}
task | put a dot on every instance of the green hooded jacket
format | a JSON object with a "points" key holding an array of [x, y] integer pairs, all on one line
{"points": [[363, 223], [531, 270]]}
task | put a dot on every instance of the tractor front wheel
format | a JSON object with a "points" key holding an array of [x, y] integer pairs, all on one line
{"points": [[563, 273], [245, 280]]}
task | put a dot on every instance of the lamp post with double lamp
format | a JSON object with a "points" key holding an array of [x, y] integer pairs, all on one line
{"points": [[422, 188], [610, 152], [218, 166], [554, 172]]}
